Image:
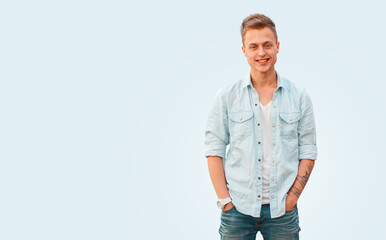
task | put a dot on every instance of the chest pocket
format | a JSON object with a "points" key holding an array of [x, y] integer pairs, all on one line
{"points": [[240, 123], [289, 124]]}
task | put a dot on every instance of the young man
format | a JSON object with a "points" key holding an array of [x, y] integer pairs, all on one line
{"points": [[268, 124]]}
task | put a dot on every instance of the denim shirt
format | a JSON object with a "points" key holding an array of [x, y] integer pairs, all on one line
{"points": [[234, 133]]}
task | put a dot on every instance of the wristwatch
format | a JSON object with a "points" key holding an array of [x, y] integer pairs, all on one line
{"points": [[222, 202]]}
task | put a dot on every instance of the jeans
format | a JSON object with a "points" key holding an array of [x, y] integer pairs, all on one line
{"points": [[236, 225]]}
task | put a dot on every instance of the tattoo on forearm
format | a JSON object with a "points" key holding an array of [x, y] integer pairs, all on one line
{"points": [[295, 191], [303, 179]]}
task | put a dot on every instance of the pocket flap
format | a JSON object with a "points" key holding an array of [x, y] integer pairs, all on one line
{"points": [[290, 117], [240, 116]]}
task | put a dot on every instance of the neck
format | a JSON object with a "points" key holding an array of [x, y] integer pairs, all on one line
{"points": [[263, 80]]}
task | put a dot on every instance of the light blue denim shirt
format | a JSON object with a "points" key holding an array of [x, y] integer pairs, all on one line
{"points": [[234, 132]]}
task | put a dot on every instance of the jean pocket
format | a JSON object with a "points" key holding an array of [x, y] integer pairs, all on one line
{"points": [[293, 210], [227, 211]]}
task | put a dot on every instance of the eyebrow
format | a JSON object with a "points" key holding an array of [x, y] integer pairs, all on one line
{"points": [[257, 44]]}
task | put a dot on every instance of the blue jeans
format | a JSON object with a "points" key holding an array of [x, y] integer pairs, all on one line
{"points": [[236, 225]]}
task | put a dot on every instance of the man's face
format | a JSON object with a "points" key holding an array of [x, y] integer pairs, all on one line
{"points": [[261, 49]]}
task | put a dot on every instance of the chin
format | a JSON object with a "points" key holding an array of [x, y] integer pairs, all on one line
{"points": [[265, 70]]}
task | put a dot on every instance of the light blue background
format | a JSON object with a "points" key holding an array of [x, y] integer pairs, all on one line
{"points": [[103, 106]]}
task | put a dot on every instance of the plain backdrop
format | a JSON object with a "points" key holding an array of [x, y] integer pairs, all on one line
{"points": [[103, 106]]}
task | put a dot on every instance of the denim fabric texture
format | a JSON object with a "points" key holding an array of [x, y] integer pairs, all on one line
{"points": [[235, 225], [234, 133]]}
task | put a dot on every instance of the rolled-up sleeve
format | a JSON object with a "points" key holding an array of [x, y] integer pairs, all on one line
{"points": [[216, 130], [307, 130]]}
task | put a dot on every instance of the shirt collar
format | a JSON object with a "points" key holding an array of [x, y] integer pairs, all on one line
{"points": [[247, 80]]}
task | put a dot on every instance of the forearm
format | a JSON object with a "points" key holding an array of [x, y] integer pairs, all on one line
{"points": [[217, 175], [304, 172]]}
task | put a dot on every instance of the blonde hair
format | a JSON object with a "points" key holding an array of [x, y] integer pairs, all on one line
{"points": [[257, 21]]}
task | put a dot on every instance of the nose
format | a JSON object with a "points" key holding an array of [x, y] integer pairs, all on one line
{"points": [[261, 51]]}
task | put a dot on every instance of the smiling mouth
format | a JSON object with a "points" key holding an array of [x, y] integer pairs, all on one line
{"points": [[263, 60]]}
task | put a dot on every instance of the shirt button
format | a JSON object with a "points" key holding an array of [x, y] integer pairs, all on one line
{"points": [[255, 104], [274, 106], [273, 161], [241, 119], [290, 119], [259, 160], [273, 143], [272, 179], [258, 196], [259, 142], [272, 196], [258, 124], [259, 178], [273, 125]]}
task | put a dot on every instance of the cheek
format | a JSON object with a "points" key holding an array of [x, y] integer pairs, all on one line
{"points": [[251, 56], [273, 53]]}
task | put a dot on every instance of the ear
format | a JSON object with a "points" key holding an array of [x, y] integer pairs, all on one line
{"points": [[242, 48], [278, 45]]}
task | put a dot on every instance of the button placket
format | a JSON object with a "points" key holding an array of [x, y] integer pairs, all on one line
{"points": [[258, 129]]}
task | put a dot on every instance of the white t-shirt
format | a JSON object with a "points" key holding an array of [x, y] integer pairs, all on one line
{"points": [[266, 124]]}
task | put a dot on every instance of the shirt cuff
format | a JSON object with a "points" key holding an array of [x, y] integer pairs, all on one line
{"points": [[216, 150], [308, 152]]}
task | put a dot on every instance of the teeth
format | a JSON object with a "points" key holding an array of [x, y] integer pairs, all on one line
{"points": [[262, 60]]}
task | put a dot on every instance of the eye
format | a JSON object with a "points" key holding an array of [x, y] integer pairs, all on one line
{"points": [[268, 45]]}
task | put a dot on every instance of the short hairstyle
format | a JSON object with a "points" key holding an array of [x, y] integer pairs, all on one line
{"points": [[257, 21]]}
